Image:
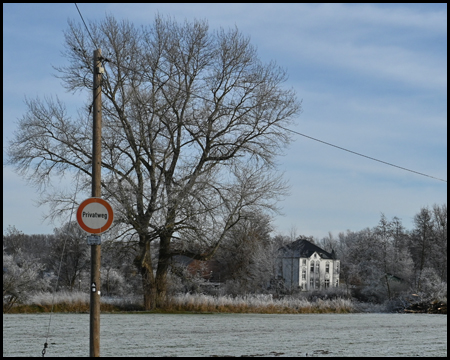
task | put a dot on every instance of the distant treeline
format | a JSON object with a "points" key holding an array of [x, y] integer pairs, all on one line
{"points": [[386, 264]]}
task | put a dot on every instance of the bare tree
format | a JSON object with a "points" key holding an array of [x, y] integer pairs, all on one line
{"points": [[440, 249], [246, 256], [421, 242], [428, 242], [15, 241], [192, 123], [396, 262], [69, 256]]}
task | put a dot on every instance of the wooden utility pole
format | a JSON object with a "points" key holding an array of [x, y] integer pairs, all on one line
{"points": [[94, 320]]}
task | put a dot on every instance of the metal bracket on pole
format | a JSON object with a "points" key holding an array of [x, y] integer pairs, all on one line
{"points": [[94, 240]]}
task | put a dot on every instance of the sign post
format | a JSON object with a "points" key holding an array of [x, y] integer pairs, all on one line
{"points": [[95, 216]]}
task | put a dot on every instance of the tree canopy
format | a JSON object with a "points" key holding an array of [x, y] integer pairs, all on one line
{"points": [[192, 123]]}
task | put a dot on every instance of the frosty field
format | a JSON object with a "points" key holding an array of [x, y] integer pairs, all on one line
{"points": [[229, 334]]}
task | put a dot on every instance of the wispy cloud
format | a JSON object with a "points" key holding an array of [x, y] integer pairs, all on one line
{"points": [[373, 79]]}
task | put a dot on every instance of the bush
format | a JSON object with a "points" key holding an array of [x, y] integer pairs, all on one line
{"points": [[432, 287]]}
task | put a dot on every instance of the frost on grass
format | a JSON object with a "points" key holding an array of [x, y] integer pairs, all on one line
{"points": [[60, 297], [206, 303], [256, 303]]}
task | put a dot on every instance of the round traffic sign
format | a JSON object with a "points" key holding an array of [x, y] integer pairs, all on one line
{"points": [[95, 215]]}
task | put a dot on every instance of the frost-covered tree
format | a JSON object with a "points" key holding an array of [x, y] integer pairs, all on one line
{"points": [[428, 244], [421, 243], [14, 241], [396, 260], [21, 277], [439, 252], [432, 286], [375, 263]]}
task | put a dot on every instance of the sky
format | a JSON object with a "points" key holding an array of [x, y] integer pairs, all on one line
{"points": [[372, 79]]}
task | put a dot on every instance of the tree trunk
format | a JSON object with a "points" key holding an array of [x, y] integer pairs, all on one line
{"points": [[144, 264], [387, 285], [148, 285], [163, 268]]}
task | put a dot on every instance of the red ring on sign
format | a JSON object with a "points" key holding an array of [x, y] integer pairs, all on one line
{"points": [[108, 209]]}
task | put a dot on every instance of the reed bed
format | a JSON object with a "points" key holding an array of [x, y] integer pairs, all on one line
{"points": [[66, 297], [62, 301], [200, 303], [264, 304]]}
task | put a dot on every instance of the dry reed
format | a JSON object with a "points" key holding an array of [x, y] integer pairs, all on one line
{"points": [[255, 304], [263, 304]]}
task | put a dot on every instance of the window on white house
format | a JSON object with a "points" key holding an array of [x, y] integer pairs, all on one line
{"points": [[327, 267], [317, 266], [311, 284], [312, 266], [327, 283], [304, 274], [304, 262]]}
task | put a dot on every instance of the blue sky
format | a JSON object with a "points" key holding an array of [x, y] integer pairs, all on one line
{"points": [[372, 79]]}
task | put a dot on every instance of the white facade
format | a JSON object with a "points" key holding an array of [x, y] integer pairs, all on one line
{"points": [[306, 267], [318, 273]]}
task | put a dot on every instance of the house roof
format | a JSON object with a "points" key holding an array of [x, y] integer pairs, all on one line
{"points": [[304, 248]]}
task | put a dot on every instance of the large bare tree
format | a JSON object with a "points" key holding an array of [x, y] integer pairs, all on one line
{"points": [[192, 123]]}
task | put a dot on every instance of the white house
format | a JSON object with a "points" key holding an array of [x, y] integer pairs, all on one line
{"points": [[305, 266]]}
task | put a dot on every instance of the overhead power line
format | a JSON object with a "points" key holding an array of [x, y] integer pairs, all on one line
{"points": [[296, 132], [79, 12], [368, 157]]}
